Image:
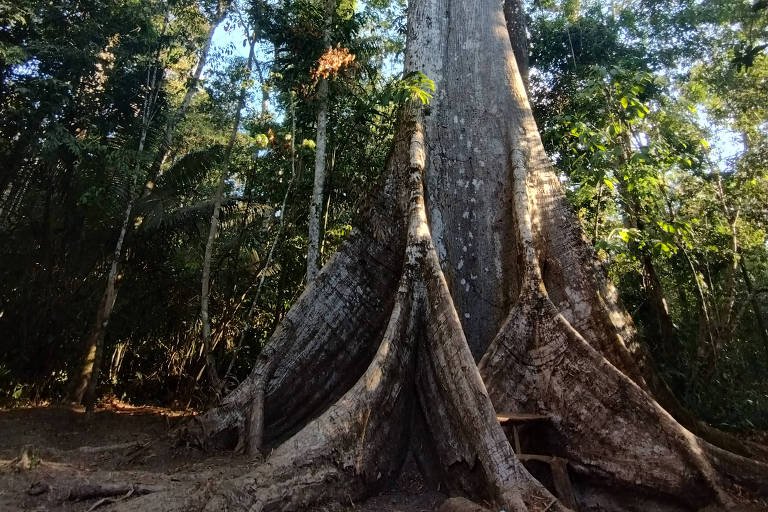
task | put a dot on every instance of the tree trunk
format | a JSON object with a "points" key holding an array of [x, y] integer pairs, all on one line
{"points": [[316, 202], [469, 252], [755, 304], [85, 388], [514, 14], [84, 391], [205, 284]]}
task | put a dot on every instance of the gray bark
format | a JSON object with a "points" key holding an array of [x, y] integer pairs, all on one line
{"points": [[316, 202], [514, 13], [213, 229]]}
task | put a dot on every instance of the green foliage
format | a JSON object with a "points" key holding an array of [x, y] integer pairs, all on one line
{"points": [[415, 86], [635, 122]]}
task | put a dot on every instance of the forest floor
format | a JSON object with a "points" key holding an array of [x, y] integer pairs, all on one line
{"points": [[47, 454]]}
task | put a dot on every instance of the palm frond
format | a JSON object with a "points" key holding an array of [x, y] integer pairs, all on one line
{"points": [[187, 172], [158, 215]]}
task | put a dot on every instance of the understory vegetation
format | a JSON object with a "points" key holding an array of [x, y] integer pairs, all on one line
{"points": [[124, 138]]}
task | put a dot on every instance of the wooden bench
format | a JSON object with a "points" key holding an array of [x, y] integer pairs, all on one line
{"points": [[557, 465]]}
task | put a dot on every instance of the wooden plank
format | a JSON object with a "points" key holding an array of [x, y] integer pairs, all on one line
{"points": [[563, 483], [523, 457], [519, 417]]}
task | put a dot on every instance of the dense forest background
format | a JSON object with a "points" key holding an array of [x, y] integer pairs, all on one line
{"points": [[155, 187]]}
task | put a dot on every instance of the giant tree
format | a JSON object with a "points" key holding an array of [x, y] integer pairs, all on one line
{"points": [[468, 290]]}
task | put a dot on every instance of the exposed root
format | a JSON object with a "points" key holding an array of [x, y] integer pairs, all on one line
{"points": [[354, 446], [90, 491], [337, 345], [612, 428], [577, 285], [359, 442], [346, 430], [105, 501], [738, 470], [510, 485], [133, 445], [461, 505]]}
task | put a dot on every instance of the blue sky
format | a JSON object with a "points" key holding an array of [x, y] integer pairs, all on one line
{"points": [[223, 38], [725, 144]]}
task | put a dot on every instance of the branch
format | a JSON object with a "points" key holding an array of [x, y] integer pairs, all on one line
{"points": [[90, 491]]}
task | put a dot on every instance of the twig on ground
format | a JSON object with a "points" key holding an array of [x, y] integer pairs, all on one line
{"points": [[111, 447], [88, 491], [105, 501]]}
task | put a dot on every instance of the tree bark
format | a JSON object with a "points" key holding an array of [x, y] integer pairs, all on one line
{"points": [[213, 229], [84, 391], [316, 202], [514, 14], [469, 252]]}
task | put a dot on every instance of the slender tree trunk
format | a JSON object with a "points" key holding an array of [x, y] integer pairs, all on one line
{"points": [[85, 389], [213, 375], [514, 14], [5, 197], [194, 82], [13, 197], [664, 327], [726, 314], [758, 310], [325, 222], [316, 202]]}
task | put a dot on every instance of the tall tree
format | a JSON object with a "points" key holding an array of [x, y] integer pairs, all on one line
{"points": [[469, 290], [316, 201], [214, 224], [85, 388], [85, 385]]}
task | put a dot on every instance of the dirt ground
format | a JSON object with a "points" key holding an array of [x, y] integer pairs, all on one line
{"points": [[48, 454]]}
